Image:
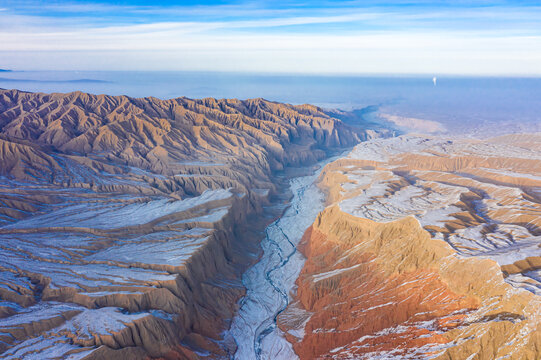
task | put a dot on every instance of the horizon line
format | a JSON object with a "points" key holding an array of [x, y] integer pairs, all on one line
{"points": [[288, 73]]}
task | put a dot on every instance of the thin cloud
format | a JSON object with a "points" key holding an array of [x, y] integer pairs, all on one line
{"points": [[514, 19], [378, 39]]}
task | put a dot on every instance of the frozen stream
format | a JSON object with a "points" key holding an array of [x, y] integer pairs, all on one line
{"points": [[270, 280]]}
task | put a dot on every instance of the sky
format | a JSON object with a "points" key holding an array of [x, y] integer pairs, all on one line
{"points": [[461, 37]]}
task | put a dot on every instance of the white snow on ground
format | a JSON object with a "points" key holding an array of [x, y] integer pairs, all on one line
{"points": [[261, 192], [101, 321], [529, 281], [40, 348], [382, 149], [361, 178], [328, 274], [173, 252], [200, 163], [270, 281], [85, 325], [107, 293], [108, 215], [35, 313], [85, 275], [504, 243], [512, 174], [95, 264], [214, 216], [430, 206], [433, 203], [505, 150], [375, 195]]}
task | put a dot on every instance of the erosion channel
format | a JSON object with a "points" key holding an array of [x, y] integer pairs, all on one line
{"points": [[270, 281]]}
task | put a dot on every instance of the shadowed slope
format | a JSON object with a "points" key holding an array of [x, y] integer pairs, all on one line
{"points": [[153, 134], [126, 223]]}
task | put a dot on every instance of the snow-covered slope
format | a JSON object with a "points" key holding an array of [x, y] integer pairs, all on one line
{"points": [[125, 224], [430, 248]]}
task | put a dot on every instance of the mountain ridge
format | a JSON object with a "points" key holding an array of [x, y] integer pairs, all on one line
{"points": [[429, 248], [153, 207]]}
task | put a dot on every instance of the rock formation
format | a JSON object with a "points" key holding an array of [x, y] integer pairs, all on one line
{"points": [[125, 223], [429, 248]]}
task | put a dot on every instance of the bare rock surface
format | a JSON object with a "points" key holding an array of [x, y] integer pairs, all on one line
{"points": [[429, 248], [125, 224]]}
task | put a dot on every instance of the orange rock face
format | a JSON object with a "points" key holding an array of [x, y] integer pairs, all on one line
{"points": [[422, 281], [356, 303], [367, 295]]}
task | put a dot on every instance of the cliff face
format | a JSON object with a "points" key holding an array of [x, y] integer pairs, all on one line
{"points": [[429, 249], [126, 223], [160, 134]]}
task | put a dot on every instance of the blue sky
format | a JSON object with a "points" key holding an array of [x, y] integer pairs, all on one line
{"points": [[362, 37]]}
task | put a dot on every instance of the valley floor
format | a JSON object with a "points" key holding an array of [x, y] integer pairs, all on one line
{"points": [[269, 282]]}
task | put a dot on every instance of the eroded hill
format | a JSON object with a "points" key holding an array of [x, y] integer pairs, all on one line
{"points": [[430, 248], [125, 223]]}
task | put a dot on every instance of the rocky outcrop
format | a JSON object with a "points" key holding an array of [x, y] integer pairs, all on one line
{"points": [[389, 288], [126, 223], [160, 134], [420, 257]]}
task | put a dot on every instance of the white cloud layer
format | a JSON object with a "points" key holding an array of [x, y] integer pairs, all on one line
{"points": [[270, 45]]}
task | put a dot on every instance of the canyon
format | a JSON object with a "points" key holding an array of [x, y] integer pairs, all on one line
{"points": [[126, 224], [139, 228]]}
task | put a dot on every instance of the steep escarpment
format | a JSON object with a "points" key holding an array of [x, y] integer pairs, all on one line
{"points": [[126, 223], [388, 288], [429, 249], [162, 134]]}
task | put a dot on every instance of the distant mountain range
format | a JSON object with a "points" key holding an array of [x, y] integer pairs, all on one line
{"points": [[54, 81]]}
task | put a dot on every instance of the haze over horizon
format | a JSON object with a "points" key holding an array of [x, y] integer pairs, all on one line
{"points": [[344, 37]]}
